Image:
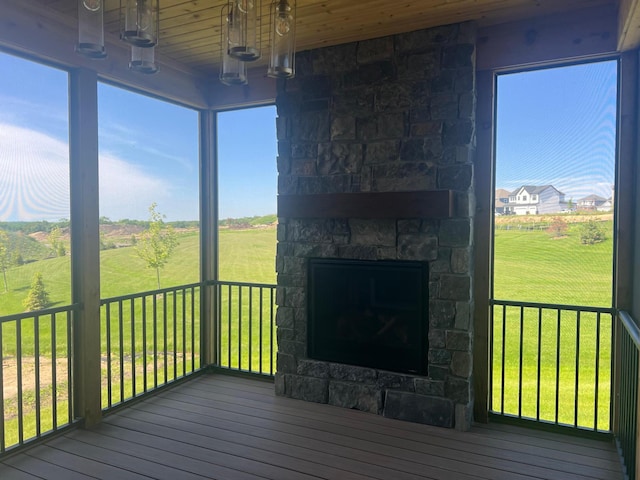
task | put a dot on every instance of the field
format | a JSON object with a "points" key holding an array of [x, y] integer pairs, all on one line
{"points": [[530, 265]]}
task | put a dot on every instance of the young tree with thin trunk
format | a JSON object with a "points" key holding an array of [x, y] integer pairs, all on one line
{"points": [[4, 257], [156, 244], [57, 245]]}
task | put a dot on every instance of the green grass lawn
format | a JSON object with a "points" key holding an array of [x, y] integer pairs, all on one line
{"points": [[531, 266]]}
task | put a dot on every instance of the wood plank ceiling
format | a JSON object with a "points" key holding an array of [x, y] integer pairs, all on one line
{"points": [[190, 30]]}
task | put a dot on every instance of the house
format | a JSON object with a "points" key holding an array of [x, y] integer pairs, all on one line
{"points": [[606, 206], [594, 202], [385, 154], [501, 201], [536, 200]]}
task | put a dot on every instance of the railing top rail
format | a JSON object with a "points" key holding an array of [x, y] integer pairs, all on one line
{"points": [[176, 288], [148, 293], [631, 326], [553, 306], [40, 313], [241, 284]]}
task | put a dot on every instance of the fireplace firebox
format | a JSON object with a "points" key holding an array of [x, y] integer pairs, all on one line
{"points": [[369, 313]]}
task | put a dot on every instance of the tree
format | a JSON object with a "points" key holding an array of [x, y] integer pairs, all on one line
{"points": [[558, 227], [38, 298], [570, 204], [56, 244], [4, 257], [591, 232], [156, 244], [104, 243]]}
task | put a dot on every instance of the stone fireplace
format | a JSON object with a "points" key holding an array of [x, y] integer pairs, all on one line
{"points": [[376, 143]]}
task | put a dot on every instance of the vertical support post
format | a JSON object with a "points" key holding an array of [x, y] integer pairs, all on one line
{"points": [[483, 238], [625, 210], [208, 235], [85, 244]]}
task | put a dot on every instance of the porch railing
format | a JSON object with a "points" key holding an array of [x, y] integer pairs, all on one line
{"points": [[36, 381], [552, 364], [149, 339], [246, 331], [627, 429]]}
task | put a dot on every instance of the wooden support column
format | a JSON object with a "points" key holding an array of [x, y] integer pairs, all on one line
{"points": [[85, 244], [208, 234], [625, 196], [625, 211], [483, 236]]}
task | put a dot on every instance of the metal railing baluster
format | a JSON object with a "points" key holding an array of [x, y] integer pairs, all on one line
{"points": [[108, 333], [563, 369], [36, 361], [54, 374], [121, 347], [539, 365]]}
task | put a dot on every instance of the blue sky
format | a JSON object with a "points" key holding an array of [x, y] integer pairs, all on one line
{"points": [[554, 127], [148, 152], [558, 126]]}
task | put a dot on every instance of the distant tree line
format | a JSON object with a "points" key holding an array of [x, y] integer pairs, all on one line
{"points": [[33, 227], [248, 222]]}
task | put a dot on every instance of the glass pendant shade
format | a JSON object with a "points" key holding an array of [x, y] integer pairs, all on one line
{"points": [[243, 35], [91, 29], [139, 22], [282, 35], [143, 60], [232, 70]]}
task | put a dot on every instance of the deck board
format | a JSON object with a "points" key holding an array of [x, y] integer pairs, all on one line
{"points": [[231, 428]]}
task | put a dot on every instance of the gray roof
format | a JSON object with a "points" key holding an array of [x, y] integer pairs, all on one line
{"points": [[592, 198], [535, 189]]}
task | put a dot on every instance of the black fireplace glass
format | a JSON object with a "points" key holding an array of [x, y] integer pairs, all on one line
{"points": [[369, 313]]}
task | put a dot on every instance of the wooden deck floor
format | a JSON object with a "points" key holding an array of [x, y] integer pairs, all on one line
{"points": [[230, 428]]}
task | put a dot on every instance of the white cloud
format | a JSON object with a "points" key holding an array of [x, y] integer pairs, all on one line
{"points": [[34, 180], [115, 135], [126, 191]]}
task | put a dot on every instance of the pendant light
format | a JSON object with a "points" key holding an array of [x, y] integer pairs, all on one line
{"points": [[232, 70], [91, 29], [143, 60], [139, 22], [282, 36], [243, 34]]}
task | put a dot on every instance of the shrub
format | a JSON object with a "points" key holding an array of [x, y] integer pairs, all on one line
{"points": [[558, 227], [591, 233]]}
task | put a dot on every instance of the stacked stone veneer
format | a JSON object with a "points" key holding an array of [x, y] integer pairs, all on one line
{"points": [[386, 115]]}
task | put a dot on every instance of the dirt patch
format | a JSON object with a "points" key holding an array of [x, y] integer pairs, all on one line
{"points": [[28, 364], [27, 379], [536, 219]]}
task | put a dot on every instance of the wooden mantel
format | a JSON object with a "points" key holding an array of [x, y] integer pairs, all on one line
{"points": [[426, 204]]}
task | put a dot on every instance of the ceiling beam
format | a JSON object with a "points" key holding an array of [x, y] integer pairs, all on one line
{"points": [[42, 33], [629, 25], [553, 38]]}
